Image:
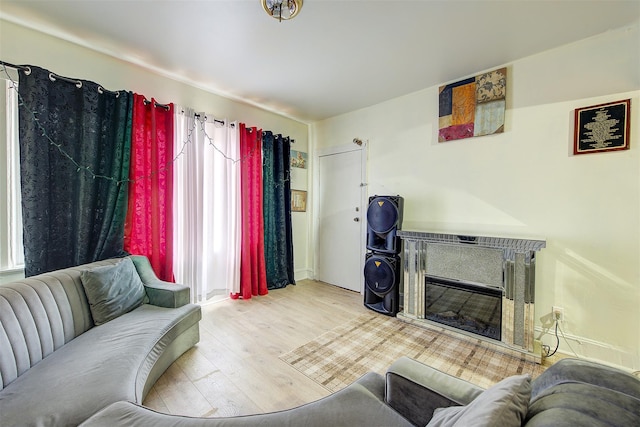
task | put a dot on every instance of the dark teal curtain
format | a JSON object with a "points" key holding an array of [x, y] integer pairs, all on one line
{"points": [[75, 143], [278, 236]]}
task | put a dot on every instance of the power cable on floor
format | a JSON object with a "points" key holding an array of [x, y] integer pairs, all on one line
{"points": [[547, 349]]}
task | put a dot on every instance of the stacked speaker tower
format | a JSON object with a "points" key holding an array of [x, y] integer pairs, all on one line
{"points": [[382, 267]]}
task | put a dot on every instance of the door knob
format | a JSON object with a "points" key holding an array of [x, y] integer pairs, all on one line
{"points": [[356, 219]]}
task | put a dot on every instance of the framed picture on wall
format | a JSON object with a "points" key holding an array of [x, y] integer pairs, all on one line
{"points": [[473, 107], [299, 159], [298, 201], [602, 127]]}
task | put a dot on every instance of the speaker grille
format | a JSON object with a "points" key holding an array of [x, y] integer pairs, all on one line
{"points": [[380, 274], [382, 215]]}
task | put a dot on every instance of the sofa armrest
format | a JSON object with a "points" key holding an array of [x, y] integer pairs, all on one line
{"points": [[585, 372], [415, 390], [160, 293]]}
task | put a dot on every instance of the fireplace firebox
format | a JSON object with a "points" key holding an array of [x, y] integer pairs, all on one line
{"points": [[468, 306]]}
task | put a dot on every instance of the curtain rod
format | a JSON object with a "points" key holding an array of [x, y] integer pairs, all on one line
{"points": [[101, 90], [53, 77], [222, 122], [215, 120], [17, 67], [78, 83], [156, 104], [291, 140]]}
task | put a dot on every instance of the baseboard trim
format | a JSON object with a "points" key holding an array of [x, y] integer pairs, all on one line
{"points": [[302, 274], [589, 349]]}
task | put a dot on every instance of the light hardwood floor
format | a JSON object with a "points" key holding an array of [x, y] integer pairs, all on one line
{"points": [[235, 369]]}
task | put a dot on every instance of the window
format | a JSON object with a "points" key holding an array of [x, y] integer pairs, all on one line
{"points": [[11, 250]]}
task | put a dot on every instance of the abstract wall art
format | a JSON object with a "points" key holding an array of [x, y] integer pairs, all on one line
{"points": [[473, 106]]}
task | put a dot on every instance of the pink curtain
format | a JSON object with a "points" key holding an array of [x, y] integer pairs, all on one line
{"points": [[148, 227], [253, 277]]}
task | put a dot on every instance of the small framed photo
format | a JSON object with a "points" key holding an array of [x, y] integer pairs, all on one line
{"points": [[602, 127], [299, 159], [298, 201]]}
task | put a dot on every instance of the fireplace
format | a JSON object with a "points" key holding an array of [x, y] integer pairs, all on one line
{"points": [[464, 305], [478, 285]]}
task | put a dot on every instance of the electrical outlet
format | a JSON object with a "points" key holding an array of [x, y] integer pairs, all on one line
{"points": [[558, 313]]}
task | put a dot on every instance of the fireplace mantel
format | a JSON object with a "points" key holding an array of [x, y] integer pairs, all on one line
{"points": [[499, 262], [518, 245]]}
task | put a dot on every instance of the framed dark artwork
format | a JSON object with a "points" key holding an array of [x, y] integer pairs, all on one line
{"points": [[472, 107], [602, 127]]}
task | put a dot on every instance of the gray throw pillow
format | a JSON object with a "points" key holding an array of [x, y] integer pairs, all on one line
{"points": [[112, 290], [504, 404]]}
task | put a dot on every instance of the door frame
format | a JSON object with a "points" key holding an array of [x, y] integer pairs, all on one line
{"points": [[328, 151]]}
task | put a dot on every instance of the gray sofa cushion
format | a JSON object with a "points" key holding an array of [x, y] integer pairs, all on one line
{"points": [[106, 364], [112, 290], [579, 392], [359, 404], [567, 404], [586, 372], [504, 404]]}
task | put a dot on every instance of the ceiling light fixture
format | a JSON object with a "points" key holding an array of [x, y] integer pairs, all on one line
{"points": [[282, 9]]}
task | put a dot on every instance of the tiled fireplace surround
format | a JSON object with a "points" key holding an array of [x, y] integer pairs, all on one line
{"points": [[503, 264]]}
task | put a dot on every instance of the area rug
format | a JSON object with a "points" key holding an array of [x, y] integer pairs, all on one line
{"points": [[371, 342]]}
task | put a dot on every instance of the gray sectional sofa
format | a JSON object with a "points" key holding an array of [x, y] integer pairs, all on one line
{"points": [[66, 351], [572, 393]]}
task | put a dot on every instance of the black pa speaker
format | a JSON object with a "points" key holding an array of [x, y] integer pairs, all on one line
{"points": [[384, 218], [382, 283]]}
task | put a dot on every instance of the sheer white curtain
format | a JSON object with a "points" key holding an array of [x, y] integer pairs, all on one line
{"points": [[206, 203]]}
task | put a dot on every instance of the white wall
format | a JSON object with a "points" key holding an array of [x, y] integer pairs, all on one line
{"points": [[526, 183], [20, 45]]}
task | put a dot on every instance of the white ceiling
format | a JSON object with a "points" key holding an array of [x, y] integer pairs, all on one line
{"points": [[335, 57]]}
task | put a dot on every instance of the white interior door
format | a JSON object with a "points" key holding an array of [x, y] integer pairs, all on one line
{"points": [[340, 219]]}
